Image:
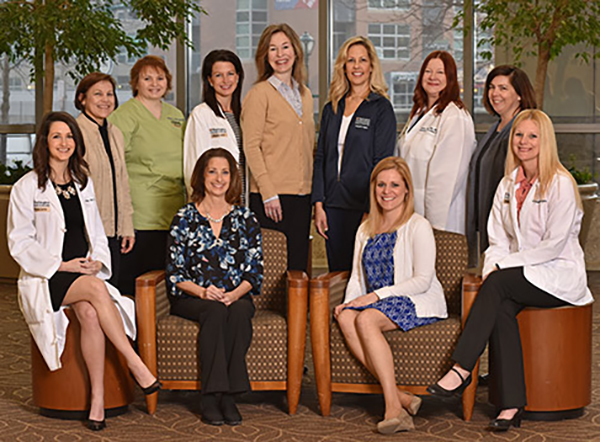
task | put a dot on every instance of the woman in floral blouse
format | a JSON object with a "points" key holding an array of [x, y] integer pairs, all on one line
{"points": [[214, 266]]}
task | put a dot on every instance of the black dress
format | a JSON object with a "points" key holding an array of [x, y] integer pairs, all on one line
{"points": [[75, 244]]}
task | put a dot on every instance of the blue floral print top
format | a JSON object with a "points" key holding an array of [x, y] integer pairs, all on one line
{"points": [[195, 254]]}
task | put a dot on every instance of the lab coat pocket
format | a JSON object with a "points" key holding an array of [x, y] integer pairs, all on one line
{"points": [[34, 299]]}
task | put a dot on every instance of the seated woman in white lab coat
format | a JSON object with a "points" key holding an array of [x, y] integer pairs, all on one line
{"points": [[55, 234], [534, 260]]}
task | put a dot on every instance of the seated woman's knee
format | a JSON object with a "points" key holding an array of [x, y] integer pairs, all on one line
{"points": [[86, 313], [241, 309], [367, 320]]}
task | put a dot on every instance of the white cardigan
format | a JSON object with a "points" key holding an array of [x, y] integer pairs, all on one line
{"points": [[35, 231], [414, 269], [545, 241], [205, 130], [438, 150]]}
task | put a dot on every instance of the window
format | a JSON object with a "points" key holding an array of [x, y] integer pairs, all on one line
{"points": [[389, 4], [392, 41], [250, 21], [402, 90]]}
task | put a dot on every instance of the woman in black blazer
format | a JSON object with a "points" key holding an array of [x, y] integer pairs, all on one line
{"points": [[358, 129]]}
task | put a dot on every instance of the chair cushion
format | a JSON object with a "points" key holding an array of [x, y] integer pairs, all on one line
{"points": [[177, 342], [421, 355]]}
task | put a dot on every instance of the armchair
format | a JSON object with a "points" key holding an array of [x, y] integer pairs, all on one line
{"points": [[169, 344], [421, 355]]}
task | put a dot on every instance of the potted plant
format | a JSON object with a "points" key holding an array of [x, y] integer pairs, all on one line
{"points": [[8, 176], [587, 190]]}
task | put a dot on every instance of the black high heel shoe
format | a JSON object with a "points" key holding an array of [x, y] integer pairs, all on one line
{"points": [[151, 388], [439, 391], [505, 424], [96, 425]]}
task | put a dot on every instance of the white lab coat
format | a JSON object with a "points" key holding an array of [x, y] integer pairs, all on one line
{"points": [[438, 150], [414, 269], [35, 231], [544, 241], [204, 130]]}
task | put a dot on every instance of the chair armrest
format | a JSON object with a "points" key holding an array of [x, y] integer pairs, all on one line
{"points": [[470, 287], [145, 304], [296, 322]]}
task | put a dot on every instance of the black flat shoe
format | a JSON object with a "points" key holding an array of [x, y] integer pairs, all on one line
{"points": [[209, 407], [505, 424], [230, 410], [96, 425], [439, 391]]}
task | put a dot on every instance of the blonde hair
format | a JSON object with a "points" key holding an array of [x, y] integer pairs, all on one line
{"points": [[548, 161], [263, 67], [375, 218], [340, 84]]}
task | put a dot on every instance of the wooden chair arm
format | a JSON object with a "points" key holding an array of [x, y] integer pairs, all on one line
{"points": [[470, 287], [145, 304], [296, 322]]}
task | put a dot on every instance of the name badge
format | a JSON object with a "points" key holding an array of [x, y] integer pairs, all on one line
{"points": [[218, 132], [176, 122], [362, 123], [430, 130], [540, 201], [90, 200], [507, 198], [41, 206]]}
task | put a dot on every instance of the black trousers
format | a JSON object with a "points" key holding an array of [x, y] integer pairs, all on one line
{"points": [[149, 253], [343, 225], [295, 225], [494, 317], [225, 337]]}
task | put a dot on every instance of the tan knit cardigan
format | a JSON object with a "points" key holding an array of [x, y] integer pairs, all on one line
{"points": [[95, 155], [278, 144]]}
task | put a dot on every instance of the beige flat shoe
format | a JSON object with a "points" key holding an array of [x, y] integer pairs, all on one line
{"points": [[415, 403], [402, 422]]}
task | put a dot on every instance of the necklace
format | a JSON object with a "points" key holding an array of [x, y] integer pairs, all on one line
{"points": [[65, 193], [218, 220]]}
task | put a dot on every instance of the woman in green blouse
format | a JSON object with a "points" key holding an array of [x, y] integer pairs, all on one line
{"points": [[153, 132]]}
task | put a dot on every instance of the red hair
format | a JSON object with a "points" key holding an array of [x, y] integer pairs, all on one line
{"points": [[451, 92]]}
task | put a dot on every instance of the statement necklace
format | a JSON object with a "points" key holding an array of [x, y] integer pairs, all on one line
{"points": [[218, 220], [65, 193]]}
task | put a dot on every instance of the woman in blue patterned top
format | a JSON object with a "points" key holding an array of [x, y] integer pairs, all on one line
{"points": [[392, 285], [214, 266]]}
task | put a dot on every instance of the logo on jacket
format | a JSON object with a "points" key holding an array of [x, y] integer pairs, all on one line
{"points": [[217, 132], [362, 123]]}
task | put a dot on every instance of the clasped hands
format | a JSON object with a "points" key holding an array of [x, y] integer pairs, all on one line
{"points": [[213, 293], [361, 301], [85, 266]]}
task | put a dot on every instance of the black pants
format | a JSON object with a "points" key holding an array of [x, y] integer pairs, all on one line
{"points": [[295, 225], [225, 336], [149, 253], [343, 225], [494, 317]]}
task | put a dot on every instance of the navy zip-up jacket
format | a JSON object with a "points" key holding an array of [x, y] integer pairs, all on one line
{"points": [[371, 137]]}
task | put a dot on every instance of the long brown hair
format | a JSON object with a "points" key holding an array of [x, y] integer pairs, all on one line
{"points": [[78, 167], [451, 92], [263, 67], [208, 92], [375, 217], [234, 192]]}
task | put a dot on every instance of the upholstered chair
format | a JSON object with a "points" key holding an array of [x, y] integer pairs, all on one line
{"points": [[169, 344], [421, 355]]}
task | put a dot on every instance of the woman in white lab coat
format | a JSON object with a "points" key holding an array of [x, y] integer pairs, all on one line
{"points": [[437, 143], [534, 260], [216, 121], [55, 234]]}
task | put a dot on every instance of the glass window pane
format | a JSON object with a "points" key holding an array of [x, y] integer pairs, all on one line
{"points": [[242, 17], [243, 4]]}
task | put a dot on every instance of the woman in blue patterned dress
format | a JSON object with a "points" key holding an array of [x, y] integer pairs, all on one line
{"points": [[392, 285], [214, 267]]}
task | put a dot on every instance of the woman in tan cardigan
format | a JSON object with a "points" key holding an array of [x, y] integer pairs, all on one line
{"points": [[96, 99], [278, 138]]}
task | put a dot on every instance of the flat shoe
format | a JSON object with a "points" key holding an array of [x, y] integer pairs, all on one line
{"points": [[211, 414], [230, 411], [402, 422], [415, 403], [96, 425]]}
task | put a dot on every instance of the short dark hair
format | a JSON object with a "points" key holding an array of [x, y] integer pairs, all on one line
{"points": [[208, 92], [78, 167], [518, 80], [149, 61], [234, 193], [87, 82]]}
